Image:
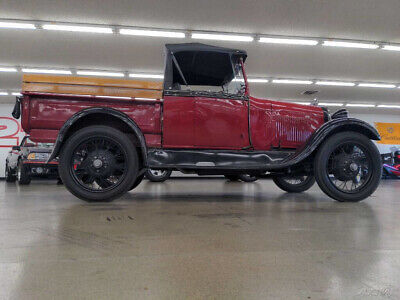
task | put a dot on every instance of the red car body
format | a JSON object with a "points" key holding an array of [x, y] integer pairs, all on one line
{"points": [[219, 129]]}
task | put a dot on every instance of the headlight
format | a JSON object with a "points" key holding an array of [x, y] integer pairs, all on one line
{"points": [[38, 156]]}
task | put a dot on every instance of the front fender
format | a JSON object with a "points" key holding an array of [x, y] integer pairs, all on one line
{"points": [[327, 129], [98, 110]]}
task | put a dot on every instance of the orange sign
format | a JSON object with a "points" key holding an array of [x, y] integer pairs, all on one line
{"points": [[390, 133]]}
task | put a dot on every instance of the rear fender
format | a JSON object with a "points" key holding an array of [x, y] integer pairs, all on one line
{"points": [[64, 131]]}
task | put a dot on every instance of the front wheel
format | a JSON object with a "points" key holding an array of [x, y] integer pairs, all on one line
{"points": [[98, 163], [294, 184], [10, 177], [157, 175], [348, 167], [23, 175]]}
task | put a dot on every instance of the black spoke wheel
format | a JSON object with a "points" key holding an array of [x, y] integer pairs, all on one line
{"points": [[155, 175], [348, 167], [294, 184], [98, 163]]}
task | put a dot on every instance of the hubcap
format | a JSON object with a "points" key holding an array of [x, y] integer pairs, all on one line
{"points": [[99, 164]]}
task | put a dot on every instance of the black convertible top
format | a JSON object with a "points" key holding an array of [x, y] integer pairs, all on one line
{"points": [[199, 64]]}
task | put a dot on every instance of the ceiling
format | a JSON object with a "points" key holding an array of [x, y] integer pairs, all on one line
{"points": [[348, 19]]}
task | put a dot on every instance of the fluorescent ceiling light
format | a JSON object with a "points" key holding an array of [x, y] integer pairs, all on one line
{"points": [[290, 81], [257, 80], [388, 106], [92, 29], [391, 48], [138, 75], [335, 83], [377, 85], [303, 103], [3, 94], [17, 25], [360, 105], [16, 94], [330, 104], [286, 41], [100, 73], [350, 44], [46, 71], [8, 69], [222, 37], [155, 33]]}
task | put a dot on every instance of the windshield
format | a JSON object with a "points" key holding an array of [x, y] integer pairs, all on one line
{"points": [[29, 143], [236, 85]]}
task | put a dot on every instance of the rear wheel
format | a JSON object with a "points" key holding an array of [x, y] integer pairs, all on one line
{"points": [[10, 177], [294, 184], [247, 178], [157, 175], [138, 180], [98, 163], [348, 167], [23, 174]]}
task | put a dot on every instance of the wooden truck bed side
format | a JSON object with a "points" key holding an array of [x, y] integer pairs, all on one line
{"points": [[50, 100]]}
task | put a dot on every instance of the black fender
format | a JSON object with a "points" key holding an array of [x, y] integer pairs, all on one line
{"points": [[326, 130], [96, 110]]}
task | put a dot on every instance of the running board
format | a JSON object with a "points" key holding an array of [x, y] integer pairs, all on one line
{"points": [[214, 159]]}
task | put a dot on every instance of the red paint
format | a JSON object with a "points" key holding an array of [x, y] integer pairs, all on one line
{"points": [[187, 122]]}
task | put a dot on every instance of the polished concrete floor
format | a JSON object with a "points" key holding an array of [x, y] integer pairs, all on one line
{"points": [[196, 239]]}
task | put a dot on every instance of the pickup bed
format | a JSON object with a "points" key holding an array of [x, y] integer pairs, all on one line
{"points": [[202, 120]]}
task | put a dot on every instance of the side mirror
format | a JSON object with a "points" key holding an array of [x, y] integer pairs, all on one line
{"points": [[17, 148]]}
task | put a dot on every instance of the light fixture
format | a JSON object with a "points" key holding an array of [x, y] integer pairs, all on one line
{"points": [[335, 83], [3, 93], [75, 28], [4, 69], [138, 75], [391, 48], [290, 81], [303, 103], [288, 41], [46, 71], [330, 104], [350, 44], [377, 85], [100, 73], [16, 25], [222, 37], [359, 105], [16, 94], [388, 106], [257, 80], [153, 33]]}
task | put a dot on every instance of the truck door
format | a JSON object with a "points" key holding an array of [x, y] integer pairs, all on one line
{"points": [[221, 123], [178, 122]]}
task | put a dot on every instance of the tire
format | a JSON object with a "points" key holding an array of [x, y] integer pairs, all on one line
{"points": [[138, 180], [305, 183], [10, 177], [232, 177], [23, 174], [370, 176], [157, 175], [247, 178], [107, 152]]}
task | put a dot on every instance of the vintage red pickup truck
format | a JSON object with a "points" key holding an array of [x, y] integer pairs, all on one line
{"points": [[202, 120]]}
